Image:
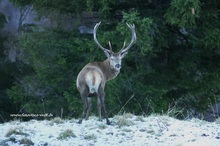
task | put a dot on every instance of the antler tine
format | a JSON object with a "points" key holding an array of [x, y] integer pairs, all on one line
{"points": [[110, 46], [133, 38], [95, 38], [123, 46]]}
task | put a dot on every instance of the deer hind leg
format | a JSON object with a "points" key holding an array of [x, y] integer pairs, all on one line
{"points": [[99, 107], [86, 106], [101, 97], [89, 99]]}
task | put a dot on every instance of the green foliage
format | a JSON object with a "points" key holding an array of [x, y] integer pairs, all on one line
{"points": [[8, 71], [211, 39], [174, 59], [183, 13], [2, 20], [55, 58], [143, 26], [71, 7]]}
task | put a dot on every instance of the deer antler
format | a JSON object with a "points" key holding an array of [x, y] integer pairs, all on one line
{"points": [[133, 38], [97, 42]]}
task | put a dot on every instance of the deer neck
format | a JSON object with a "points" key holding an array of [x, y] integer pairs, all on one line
{"points": [[110, 72]]}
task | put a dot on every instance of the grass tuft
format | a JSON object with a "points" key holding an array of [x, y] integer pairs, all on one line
{"points": [[26, 141], [15, 131], [140, 118], [128, 115], [217, 120], [66, 134], [124, 120], [90, 137], [56, 120], [102, 126]]}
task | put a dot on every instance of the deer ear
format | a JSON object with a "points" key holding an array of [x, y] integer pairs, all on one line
{"points": [[107, 53], [123, 54]]}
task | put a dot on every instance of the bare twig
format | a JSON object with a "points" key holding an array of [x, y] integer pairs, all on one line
{"points": [[126, 103], [162, 125]]}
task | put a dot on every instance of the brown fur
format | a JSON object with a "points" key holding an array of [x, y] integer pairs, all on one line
{"points": [[92, 78], [99, 72]]}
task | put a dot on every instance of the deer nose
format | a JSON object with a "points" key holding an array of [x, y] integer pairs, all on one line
{"points": [[118, 66]]}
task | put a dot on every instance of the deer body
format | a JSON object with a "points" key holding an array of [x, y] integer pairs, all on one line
{"points": [[92, 78]]}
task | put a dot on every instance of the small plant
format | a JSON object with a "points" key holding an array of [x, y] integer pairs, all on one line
{"points": [[66, 134], [150, 131], [56, 120], [90, 137], [123, 121], [140, 118], [126, 130], [174, 110], [128, 115], [16, 131], [102, 126], [217, 120], [10, 139], [26, 141]]}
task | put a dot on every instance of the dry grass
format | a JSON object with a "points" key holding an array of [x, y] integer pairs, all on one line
{"points": [[90, 137], [124, 120], [16, 131], [56, 120], [66, 134], [25, 141]]}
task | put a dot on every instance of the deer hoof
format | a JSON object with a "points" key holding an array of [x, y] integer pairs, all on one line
{"points": [[79, 122], [108, 122]]}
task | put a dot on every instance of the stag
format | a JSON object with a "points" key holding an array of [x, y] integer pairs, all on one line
{"points": [[92, 78]]}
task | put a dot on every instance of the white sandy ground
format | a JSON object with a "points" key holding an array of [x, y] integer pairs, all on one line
{"points": [[126, 130]]}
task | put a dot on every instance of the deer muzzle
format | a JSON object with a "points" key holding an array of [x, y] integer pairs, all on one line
{"points": [[118, 66]]}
